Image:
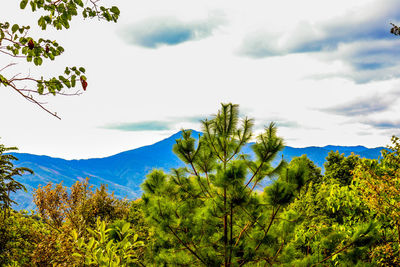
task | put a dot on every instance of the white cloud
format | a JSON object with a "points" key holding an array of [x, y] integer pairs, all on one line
{"points": [[131, 84]]}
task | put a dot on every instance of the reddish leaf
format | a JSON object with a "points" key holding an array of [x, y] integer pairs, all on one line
{"points": [[31, 45], [84, 83]]}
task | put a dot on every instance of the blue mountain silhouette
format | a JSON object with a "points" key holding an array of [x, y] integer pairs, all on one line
{"points": [[125, 172]]}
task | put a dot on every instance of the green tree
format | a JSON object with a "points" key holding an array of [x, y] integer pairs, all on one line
{"points": [[303, 171], [209, 213], [333, 227], [16, 42], [379, 186], [15, 231], [20, 235], [339, 167], [7, 182]]}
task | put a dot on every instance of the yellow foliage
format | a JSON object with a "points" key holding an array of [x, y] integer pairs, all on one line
{"points": [[71, 210], [79, 208]]}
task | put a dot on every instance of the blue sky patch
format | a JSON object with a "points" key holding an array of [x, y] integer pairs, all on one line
{"points": [[155, 32]]}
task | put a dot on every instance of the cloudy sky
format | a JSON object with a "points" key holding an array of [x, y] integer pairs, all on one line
{"points": [[327, 72]]}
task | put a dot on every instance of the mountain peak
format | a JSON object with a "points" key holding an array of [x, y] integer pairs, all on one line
{"points": [[178, 135]]}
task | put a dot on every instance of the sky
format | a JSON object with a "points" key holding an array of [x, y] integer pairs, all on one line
{"points": [[327, 72]]}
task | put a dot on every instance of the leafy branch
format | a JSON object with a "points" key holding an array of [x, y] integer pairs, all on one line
{"points": [[60, 12], [30, 88], [16, 43]]}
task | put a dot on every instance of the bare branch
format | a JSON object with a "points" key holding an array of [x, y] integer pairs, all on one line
{"points": [[27, 93], [7, 66], [31, 99]]}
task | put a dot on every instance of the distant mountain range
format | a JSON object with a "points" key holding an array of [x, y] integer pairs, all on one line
{"points": [[125, 172]]}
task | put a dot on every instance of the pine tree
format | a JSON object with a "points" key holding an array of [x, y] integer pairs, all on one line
{"points": [[210, 212]]}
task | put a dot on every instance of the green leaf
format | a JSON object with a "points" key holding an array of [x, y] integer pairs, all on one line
{"points": [[33, 6], [90, 244], [23, 4], [79, 2], [38, 61], [76, 255], [93, 233], [124, 242], [14, 28], [125, 228], [80, 242], [40, 88], [67, 83], [109, 244], [75, 235], [73, 80], [115, 10], [82, 69], [42, 23], [3, 80]]}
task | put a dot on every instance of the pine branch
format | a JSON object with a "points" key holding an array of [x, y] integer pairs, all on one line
{"points": [[269, 226], [333, 254], [186, 246], [231, 236]]}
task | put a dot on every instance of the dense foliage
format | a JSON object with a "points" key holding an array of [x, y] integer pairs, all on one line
{"points": [[216, 211]]}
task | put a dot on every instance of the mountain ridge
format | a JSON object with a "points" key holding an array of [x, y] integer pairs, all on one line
{"points": [[125, 171]]}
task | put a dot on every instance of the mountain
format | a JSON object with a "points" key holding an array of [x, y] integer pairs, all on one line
{"points": [[124, 172]]}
